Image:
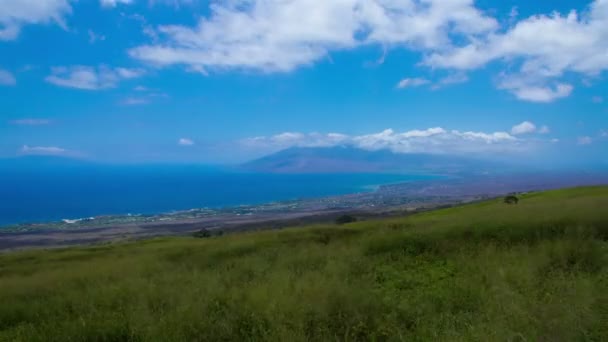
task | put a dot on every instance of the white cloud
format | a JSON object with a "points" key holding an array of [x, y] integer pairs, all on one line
{"points": [[143, 95], [525, 127], [412, 82], [113, 3], [451, 79], [488, 138], [7, 78], [94, 37], [43, 150], [543, 94], [604, 133], [454, 78], [597, 99], [283, 35], [543, 48], [185, 142], [31, 122], [91, 78], [129, 73], [585, 140], [423, 133], [452, 34], [544, 129], [14, 14], [531, 89], [175, 3], [431, 140]]}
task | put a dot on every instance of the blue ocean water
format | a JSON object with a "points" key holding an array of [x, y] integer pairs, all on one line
{"points": [[51, 195]]}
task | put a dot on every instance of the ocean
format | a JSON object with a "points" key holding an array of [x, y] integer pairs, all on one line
{"points": [[52, 195]]}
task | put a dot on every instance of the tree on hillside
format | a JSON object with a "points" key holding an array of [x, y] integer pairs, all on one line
{"points": [[344, 219], [511, 199], [203, 233]]}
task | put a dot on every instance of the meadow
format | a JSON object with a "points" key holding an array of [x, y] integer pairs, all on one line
{"points": [[535, 271]]}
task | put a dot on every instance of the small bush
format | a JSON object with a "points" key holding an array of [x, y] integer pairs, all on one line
{"points": [[511, 199], [344, 219], [203, 233]]}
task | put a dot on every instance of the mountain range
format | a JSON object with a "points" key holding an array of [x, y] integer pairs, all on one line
{"points": [[343, 159], [340, 159]]}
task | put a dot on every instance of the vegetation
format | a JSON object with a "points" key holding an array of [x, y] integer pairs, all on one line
{"points": [[344, 219], [203, 233], [511, 199], [487, 271]]}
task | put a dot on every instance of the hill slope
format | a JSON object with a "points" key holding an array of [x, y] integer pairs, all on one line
{"points": [[488, 271]]}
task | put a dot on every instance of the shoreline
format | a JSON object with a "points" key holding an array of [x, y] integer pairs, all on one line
{"points": [[389, 200], [147, 217]]}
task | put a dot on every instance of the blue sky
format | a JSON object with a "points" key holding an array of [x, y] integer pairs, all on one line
{"points": [[226, 81]]}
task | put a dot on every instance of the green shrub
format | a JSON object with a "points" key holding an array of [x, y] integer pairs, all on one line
{"points": [[344, 219], [203, 233]]}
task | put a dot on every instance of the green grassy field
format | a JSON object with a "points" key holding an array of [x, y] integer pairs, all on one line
{"points": [[536, 271]]}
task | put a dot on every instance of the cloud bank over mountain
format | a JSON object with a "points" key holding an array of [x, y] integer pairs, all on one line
{"points": [[436, 140]]}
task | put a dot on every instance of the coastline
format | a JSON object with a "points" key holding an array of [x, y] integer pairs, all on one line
{"points": [[104, 218], [389, 200]]}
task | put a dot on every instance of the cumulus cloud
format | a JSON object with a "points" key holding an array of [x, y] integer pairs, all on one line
{"points": [[289, 139], [7, 78], [185, 142], [534, 90], [43, 150], [431, 140], [412, 82], [453, 35], [16, 14], [551, 44], [113, 3], [450, 79], [279, 36], [91, 78], [31, 122], [525, 127], [543, 47], [263, 35], [455, 78]]}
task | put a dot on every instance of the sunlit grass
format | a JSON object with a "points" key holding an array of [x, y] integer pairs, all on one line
{"points": [[489, 271]]}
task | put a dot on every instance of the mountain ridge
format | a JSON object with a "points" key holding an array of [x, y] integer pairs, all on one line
{"points": [[349, 159]]}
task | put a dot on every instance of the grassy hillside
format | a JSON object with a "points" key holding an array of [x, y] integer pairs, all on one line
{"points": [[537, 271]]}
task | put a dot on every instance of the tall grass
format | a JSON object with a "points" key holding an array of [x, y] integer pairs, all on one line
{"points": [[528, 272]]}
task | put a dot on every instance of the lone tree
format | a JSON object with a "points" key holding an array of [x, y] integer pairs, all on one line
{"points": [[203, 233], [344, 219], [511, 199]]}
